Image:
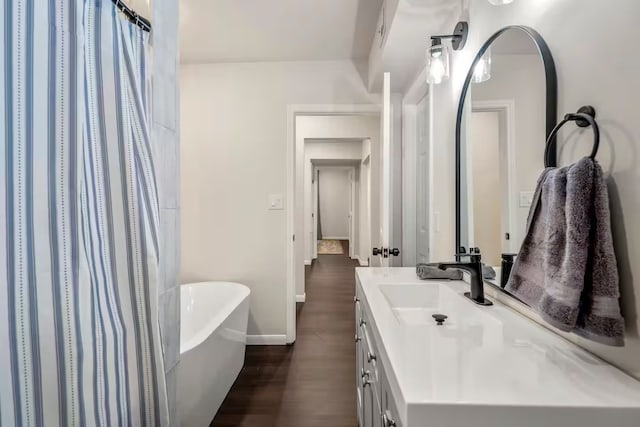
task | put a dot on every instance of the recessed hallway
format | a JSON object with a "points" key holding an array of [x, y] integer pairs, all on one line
{"points": [[311, 383]]}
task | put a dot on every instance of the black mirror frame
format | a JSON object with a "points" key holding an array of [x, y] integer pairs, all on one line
{"points": [[551, 108]]}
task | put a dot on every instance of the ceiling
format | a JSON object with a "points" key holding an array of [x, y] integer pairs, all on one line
{"points": [[276, 30], [408, 39]]}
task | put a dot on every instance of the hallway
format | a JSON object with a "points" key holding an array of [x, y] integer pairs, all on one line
{"points": [[313, 382]]}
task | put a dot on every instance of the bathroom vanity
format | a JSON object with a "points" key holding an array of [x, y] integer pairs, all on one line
{"points": [[481, 367]]}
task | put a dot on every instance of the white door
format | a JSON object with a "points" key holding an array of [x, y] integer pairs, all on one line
{"points": [[365, 215], [314, 214], [385, 175], [352, 212], [423, 180]]}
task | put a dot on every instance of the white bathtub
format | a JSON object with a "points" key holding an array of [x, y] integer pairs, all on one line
{"points": [[213, 337]]}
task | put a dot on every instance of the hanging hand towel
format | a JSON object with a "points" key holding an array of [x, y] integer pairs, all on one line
{"points": [[566, 269]]}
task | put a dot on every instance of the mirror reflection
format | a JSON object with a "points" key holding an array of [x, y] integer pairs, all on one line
{"points": [[502, 147]]}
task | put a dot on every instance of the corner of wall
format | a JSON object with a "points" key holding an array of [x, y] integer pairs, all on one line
{"points": [[165, 143]]}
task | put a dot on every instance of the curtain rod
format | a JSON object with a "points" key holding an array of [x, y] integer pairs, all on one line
{"points": [[140, 21]]}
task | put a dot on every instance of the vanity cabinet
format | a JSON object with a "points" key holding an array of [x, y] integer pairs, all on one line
{"points": [[483, 367], [376, 407]]}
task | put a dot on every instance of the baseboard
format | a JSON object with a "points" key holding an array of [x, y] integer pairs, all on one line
{"points": [[301, 298], [307, 262], [363, 262], [266, 340], [334, 238]]}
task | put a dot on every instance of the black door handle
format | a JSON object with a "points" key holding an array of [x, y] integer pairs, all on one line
{"points": [[395, 252], [377, 251]]}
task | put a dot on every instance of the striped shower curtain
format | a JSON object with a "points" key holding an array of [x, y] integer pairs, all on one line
{"points": [[79, 336]]}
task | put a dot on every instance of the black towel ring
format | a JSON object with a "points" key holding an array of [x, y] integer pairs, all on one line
{"points": [[585, 117]]}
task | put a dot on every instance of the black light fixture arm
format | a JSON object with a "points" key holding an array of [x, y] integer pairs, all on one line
{"points": [[438, 39], [140, 21], [458, 38]]}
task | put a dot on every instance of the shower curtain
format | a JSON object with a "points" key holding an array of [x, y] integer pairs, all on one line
{"points": [[79, 219]]}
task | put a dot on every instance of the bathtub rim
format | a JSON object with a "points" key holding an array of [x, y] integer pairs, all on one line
{"points": [[205, 331]]}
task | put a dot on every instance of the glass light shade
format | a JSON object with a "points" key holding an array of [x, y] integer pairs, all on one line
{"points": [[482, 70], [437, 64], [500, 2]]}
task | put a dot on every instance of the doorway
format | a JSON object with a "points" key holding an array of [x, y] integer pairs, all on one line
{"points": [[484, 149], [335, 217], [339, 128], [334, 208], [487, 160]]}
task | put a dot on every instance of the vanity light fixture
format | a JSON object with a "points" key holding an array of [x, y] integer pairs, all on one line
{"points": [[482, 70], [500, 2], [438, 54], [437, 63]]}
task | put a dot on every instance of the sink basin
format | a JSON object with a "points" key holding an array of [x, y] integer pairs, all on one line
{"points": [[415, 304]]}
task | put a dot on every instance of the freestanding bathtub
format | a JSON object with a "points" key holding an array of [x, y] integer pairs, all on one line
{"points": [[213, 336]]}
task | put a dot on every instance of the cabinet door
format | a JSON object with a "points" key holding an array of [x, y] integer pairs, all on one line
{"points": [[377, 412], [389, 411], [359, 364], [359, 388], [370, 402]]}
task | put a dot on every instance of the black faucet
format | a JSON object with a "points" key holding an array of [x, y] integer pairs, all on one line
{"points": [[474, 268]]}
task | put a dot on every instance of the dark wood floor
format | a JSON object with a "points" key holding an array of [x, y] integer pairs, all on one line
{"points": [[311, 383]]}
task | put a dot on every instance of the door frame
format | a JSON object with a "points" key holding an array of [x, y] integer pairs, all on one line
{"points": [[365, 175], [294, 110], [506, 111], [418, 91]]}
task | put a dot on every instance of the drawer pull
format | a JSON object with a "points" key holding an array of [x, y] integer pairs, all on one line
{"points": [[363, 322], [371, 357], [364, 374], [356, 299], [358, 339], [387, 421]]}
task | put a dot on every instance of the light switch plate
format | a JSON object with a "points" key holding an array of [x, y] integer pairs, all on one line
{"points": [[526, 199], [276, 202]]}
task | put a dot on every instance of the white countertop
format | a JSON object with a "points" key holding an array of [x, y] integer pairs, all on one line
{"points": [[490, 356]]}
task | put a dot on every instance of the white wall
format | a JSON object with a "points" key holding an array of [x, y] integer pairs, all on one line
{"points": [[233, 155], [321, 150], [335, 189], [142, 7], [594, 67]]}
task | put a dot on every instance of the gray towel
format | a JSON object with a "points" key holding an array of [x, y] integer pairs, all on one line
{"points": [[566, 269], [432, 272], [488, 272]]}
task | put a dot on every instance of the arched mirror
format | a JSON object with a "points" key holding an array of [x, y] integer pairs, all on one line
{"points": [[507, 109]]}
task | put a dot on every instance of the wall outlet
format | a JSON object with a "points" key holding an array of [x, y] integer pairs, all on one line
{"points": [[276, 202], [526, 198]]}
